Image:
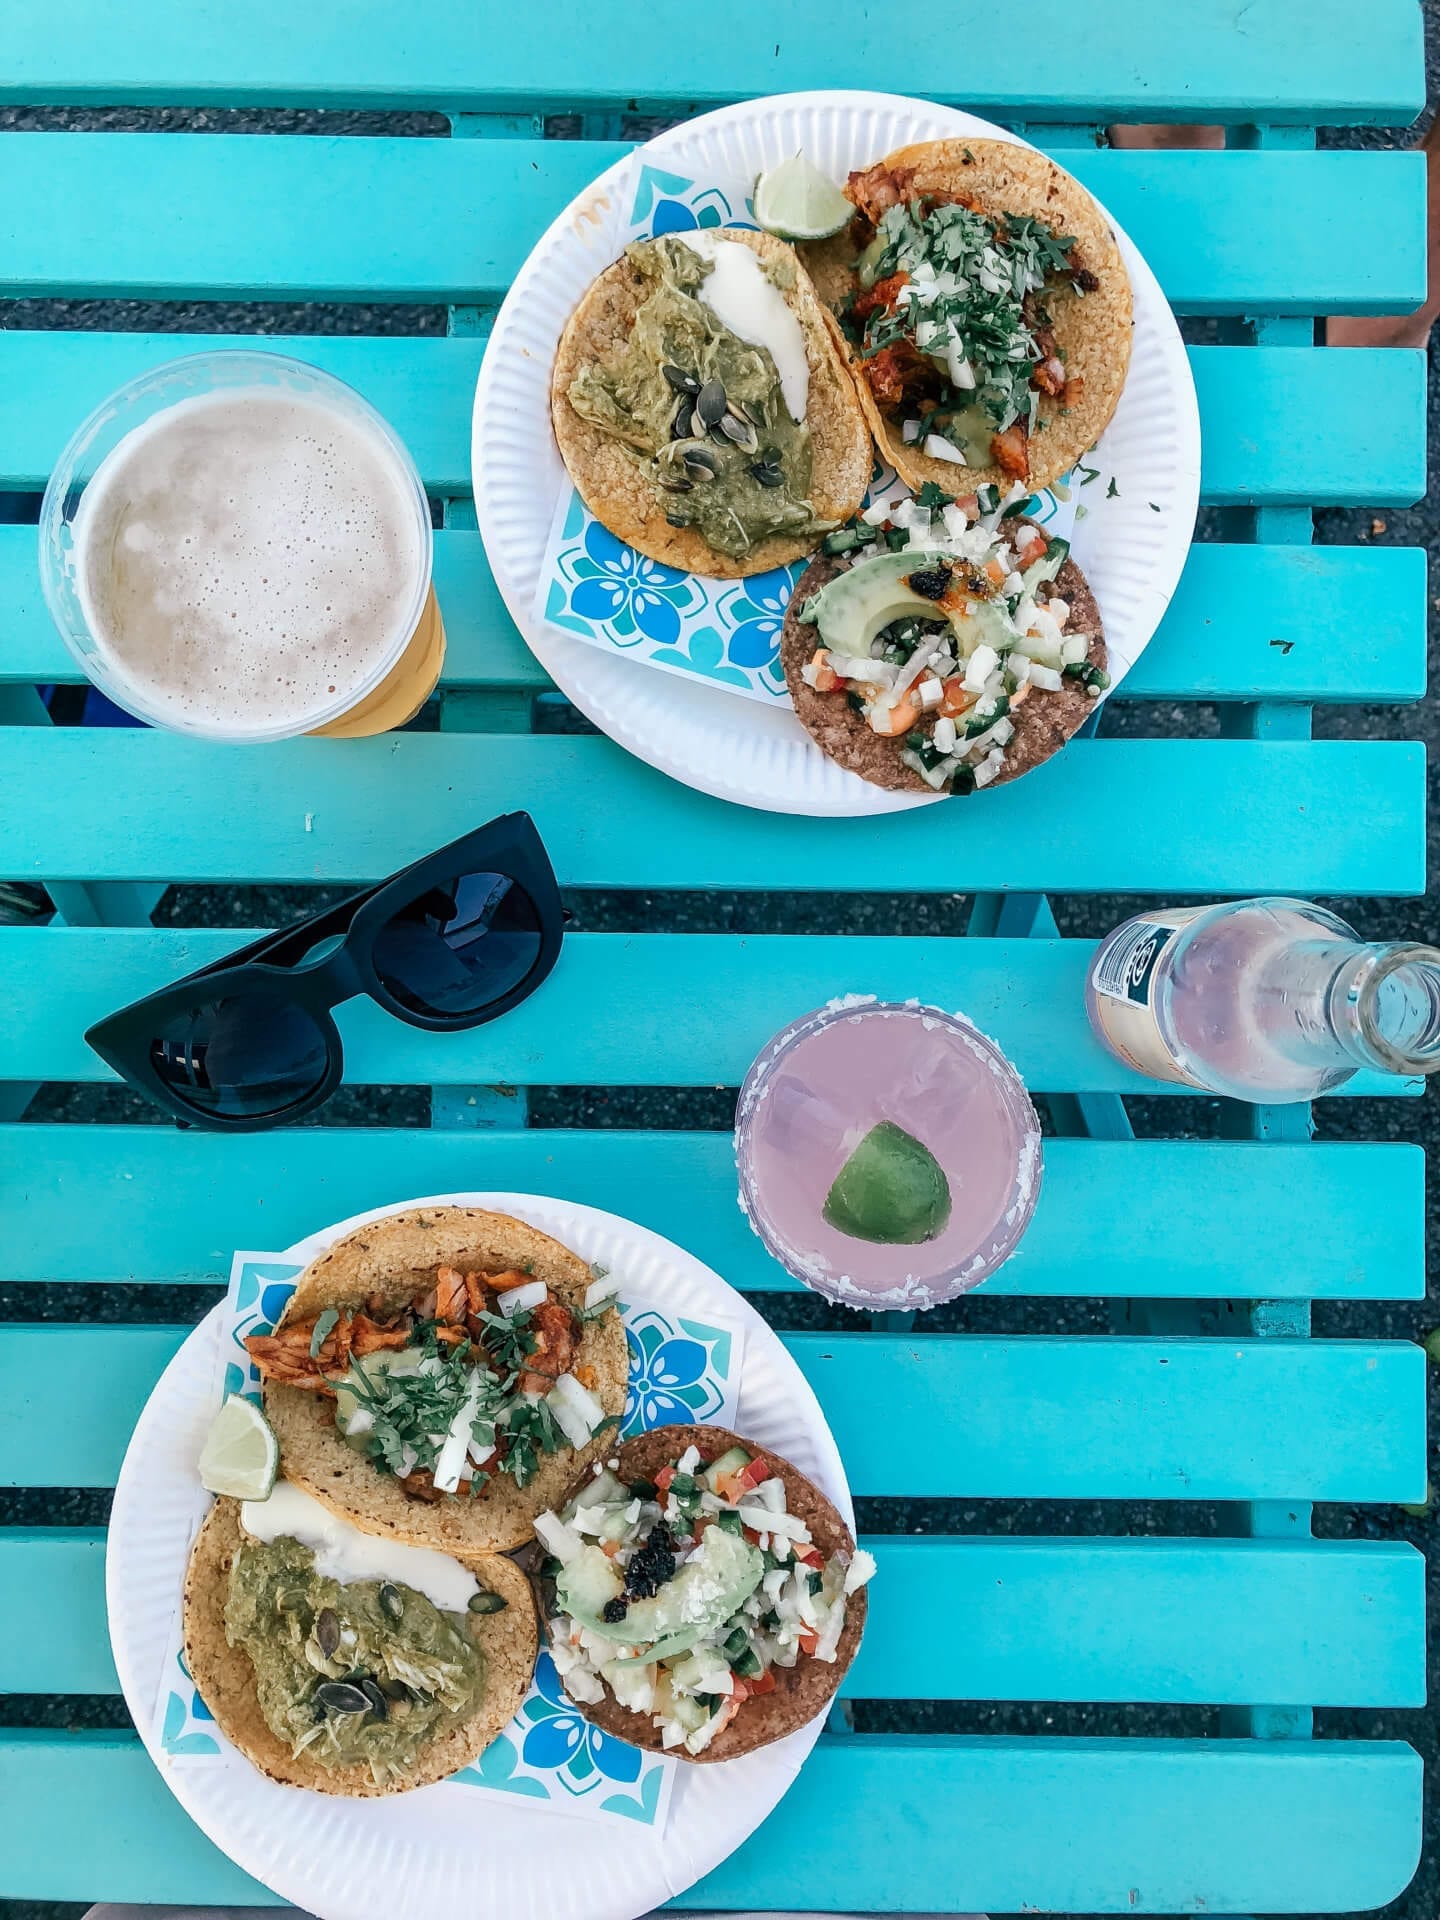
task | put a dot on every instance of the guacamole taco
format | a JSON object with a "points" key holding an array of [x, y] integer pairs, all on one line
{"points": [[440, 1374], [986, 311], [702, 1596], [702, 408], [945, 652], [350, 1685]]}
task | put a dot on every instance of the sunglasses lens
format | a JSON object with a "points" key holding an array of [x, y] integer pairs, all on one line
{"points": [[461, 946], [250, 1057]]}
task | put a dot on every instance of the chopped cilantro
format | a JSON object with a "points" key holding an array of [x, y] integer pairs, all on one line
{"points": [[324, 1327], [1152, 506], [934, 497], [1112, 492], [1087, 474]]}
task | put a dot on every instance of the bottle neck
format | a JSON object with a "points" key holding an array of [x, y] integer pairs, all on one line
{"points": [[1384, 1006]]}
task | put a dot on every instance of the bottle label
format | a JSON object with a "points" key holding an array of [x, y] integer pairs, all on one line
{"points": [[1122, 983]]}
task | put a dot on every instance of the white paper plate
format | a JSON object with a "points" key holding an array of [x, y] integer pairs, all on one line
{"points": [[373, 1859], [1131, 554]]}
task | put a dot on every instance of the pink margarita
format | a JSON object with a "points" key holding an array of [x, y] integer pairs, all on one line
{"points": [[889, 1155]]}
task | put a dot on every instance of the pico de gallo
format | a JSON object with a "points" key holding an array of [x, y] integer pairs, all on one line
{"points": [[685, 1596]]}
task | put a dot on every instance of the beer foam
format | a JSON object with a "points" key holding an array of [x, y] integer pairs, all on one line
{"points": [[246, 559]]}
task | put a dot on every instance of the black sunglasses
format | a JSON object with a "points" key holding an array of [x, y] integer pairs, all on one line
{"points": [[450, 942]]}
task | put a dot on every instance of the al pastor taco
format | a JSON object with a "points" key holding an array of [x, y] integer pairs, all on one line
{"points": [[986, 311], [441, 1374], [345, 1664], [702, 407], [701, 1595], [943, 649]]}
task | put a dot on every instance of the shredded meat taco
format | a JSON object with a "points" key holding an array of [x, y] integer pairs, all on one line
{"points": [[440, 1374], [985, 310]]}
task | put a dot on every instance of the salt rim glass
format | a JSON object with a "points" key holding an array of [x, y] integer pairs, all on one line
{"points": [[920, 1291]]}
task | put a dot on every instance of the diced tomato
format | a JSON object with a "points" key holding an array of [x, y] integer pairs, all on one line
{"points": [[762, 1682], [663, 1479], [826, 678], [808, 1640], [957, 697], [610, 1548], [808, 1556], [740, 1692], [751, 1535], [994, 572], [752, 1475]]}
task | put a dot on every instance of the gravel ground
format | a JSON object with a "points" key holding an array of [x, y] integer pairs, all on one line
{"points": [[1365, 1119]]}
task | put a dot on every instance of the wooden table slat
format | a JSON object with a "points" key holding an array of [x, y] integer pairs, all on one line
{"points": [[244, 216], [1354, 422], [1099, 1826], [1299, 1622], [967, 1415], [1182, 1220]]}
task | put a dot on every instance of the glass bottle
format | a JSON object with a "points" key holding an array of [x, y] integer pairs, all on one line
{"points": [[1267, 1000]]}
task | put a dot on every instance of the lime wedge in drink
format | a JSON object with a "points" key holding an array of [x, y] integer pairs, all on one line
{"points": [[891, 1190], [241, 1455], [797, 202]]}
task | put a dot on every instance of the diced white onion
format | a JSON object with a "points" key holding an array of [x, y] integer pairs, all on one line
{"points": [[766, 1520], [944, 735], [455, 1450], [557, 1538], [939, 449], [688, 1461], [577, 1412], [603, 1288], [978, 668], [1046, 678], [909, 430], [929, 693], [520, 1299], [876, 513], [860, 1569]]}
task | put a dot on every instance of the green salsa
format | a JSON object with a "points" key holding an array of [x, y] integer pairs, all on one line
{"points": [[701, 411], [366, 1673]]}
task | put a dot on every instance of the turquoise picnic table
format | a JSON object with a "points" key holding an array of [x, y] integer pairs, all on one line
{"points": [[1208, 1389]]}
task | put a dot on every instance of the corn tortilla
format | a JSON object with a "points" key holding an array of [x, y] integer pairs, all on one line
{"points": [[225, 1678], [801, 1691], [1093, 330], [397, 1257], [616, 490], [1043, 721]]}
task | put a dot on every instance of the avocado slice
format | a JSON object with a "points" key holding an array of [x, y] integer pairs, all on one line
{"points": [[856, 605], [715, 1583]]}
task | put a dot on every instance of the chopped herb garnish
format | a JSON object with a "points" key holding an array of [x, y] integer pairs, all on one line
{"points": [[934, 497], [1152, 506], [1087, 474], [1112, 492], [324, 1327]]}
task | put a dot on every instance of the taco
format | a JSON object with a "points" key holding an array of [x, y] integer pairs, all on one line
{"points": [[440, 1374], [964, 653], [703, 1597], [986, 311], [702, 407], [347, 1666]]}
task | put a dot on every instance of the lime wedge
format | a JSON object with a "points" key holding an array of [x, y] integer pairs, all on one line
{"points": [[797, 202], [241, 1455], [891, 1190]]}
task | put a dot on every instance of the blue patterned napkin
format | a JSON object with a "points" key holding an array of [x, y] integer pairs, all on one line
{"points": [[600, 590], [680, 1370]]}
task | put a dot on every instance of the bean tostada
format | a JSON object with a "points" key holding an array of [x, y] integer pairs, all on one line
{"points": [[700, 1594], [941, 645]]}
